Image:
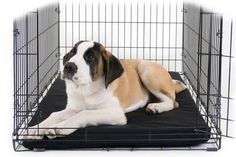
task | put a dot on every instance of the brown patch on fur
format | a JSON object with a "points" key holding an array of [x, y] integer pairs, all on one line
{"points": [[138, 79], [157, 78], [105, 54], [98, 69], [107, 65], [129, 88], [113, 69]]}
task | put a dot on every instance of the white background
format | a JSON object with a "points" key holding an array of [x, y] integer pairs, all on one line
{"points": [[9, 9]]}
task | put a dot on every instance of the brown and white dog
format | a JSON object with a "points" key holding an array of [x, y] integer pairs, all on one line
{"points": [[101, 89]]}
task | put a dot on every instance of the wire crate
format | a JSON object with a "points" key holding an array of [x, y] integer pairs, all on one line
{"points": [[195, 42]]}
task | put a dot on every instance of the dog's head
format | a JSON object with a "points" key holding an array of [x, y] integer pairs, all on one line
{"points": [[88, 61]]}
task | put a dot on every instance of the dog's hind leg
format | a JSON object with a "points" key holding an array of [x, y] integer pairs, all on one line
{"points": [[158, 81]]}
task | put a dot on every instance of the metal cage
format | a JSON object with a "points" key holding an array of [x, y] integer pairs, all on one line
{"points": [[36, 63], [183, 38]]}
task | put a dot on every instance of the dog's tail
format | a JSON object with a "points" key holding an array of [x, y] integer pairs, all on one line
{"points": [[179, 86]]}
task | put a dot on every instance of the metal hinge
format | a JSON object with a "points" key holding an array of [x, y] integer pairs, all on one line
{"points": [[183, 55], [219, 34], [57, 10], [16, 32], [57, 55], [184, 10]]}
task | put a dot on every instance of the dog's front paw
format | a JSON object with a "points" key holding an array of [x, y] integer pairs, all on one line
{"points": [[59, 130], [53, 133], [33, 133]]}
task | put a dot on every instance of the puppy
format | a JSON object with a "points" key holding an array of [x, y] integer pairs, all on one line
{"points": [[101, 89]]}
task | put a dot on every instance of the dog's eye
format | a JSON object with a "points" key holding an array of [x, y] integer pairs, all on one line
{"points": [[90, 58]]}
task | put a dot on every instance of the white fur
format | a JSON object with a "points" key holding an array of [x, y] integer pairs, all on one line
{"points": [[166, 105], [98, 107], [137, 105]]}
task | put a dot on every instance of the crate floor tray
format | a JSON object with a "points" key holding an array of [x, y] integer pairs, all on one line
{"points": [[169, 129]]}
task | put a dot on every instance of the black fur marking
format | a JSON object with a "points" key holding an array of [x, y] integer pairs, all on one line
{"points": [[112, 69], [69, 70], [91, 57], [72, 52]]}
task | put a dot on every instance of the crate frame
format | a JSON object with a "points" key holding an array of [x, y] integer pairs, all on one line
{"points": [[30, 41]]}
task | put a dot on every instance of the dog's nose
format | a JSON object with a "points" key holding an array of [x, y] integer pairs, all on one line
{"points": [[70, 67]]}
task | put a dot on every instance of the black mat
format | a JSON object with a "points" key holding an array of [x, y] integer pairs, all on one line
{"points": [[169, 129]]}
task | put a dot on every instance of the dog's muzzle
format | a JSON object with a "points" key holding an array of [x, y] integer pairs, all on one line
{"points": [[69, 70]]}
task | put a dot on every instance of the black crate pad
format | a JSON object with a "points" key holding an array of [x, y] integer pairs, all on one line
{"points": [[183, 126]]}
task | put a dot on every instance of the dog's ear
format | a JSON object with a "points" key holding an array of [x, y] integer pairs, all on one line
{"points": [[112, 67]]}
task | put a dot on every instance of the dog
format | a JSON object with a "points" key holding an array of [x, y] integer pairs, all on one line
{"points": [[101, 89]]}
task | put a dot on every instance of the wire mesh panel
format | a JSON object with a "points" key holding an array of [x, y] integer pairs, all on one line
{"points": [[150, 31], [207, 63], [227, 90], [25, 78], [36, 62], [48, 39], [203, 66]]}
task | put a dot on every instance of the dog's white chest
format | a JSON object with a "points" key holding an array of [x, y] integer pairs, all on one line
{"points": [[96, 100], [86, 97]]}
